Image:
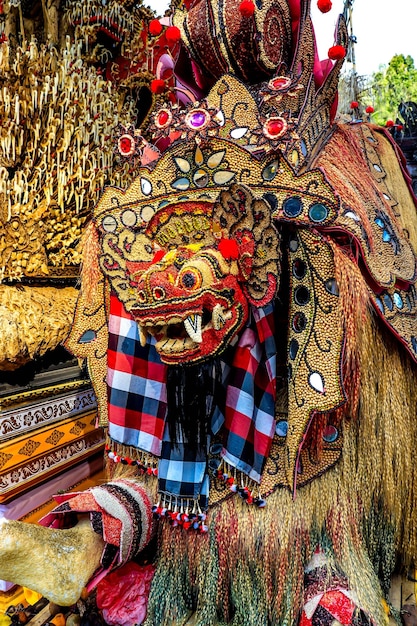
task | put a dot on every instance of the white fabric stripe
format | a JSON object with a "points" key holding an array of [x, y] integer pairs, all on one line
{"points": [[145, 506]]}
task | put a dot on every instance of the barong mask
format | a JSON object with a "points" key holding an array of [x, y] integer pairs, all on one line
{"points": [[193, 296]]}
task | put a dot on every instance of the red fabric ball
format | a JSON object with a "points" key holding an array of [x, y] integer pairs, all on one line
{"points": [[157, 86], [172, 34], [354, 105], [400, 127], [155, 28], [247, 8], [389, 123], [369, 109], [228, 248], [324, 5], [337, 53]]}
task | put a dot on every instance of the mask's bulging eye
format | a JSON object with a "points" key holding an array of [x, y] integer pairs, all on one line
{"points": [[158, 293], [190, 279]]}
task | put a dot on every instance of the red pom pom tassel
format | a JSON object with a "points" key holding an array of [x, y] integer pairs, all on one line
{"points": [[228, 248], [369, 110], [247, 8], [324, 5], [354, 105], [337, 53], [157, 86], [172, 34], [155, 28]]}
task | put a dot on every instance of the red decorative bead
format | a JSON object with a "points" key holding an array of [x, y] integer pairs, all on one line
{"points": [[389, 123], [369, 109], [354, 105], [172, 34], [157, 86], [337, 53], [155, 28], [247, 8], [400, 127], [324, 5]]}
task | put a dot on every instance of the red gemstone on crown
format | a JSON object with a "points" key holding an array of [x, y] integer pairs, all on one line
{"points": [[163, 118], [280, 82], [126, 145], [275, 127]]}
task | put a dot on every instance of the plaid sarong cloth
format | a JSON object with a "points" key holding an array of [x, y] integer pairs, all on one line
{"points": [[136, 380], [250, 397], [243, 409]]}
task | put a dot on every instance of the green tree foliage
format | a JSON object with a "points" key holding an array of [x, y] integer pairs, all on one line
{"points": [[390, 86]]}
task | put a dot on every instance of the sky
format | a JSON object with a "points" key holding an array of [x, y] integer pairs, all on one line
{"points": [[382, 28]]}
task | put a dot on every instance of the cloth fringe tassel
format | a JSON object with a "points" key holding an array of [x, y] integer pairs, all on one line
{"points": [[119, 456]]}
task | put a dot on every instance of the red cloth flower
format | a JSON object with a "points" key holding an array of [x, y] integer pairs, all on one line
{"points": [[172, 34], [247, 8], [123, 594], [155, 28], [369, 109], [336, 53], [389, 123], [354, 104], [157, 86], [324, 5]]}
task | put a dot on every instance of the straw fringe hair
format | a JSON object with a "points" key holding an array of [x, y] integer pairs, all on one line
{"points": [[249, 569]]}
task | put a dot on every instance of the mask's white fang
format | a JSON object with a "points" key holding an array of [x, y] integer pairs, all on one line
{"points": [[193, 327], [219, 317]]}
